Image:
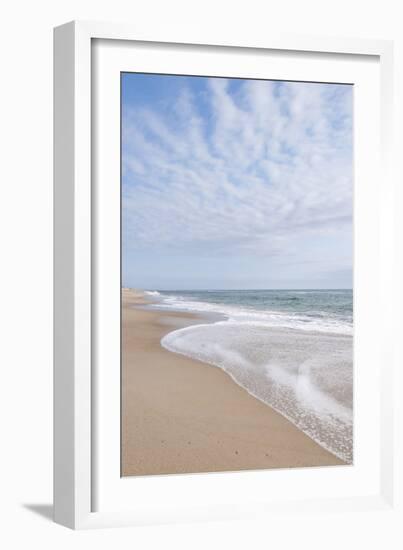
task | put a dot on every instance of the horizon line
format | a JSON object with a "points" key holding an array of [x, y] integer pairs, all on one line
{"points": [[232, 289]]}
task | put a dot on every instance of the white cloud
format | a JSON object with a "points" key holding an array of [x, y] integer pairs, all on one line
{"points": [[273, 162]]}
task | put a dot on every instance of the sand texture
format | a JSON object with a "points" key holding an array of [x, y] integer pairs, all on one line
{"points": [[183, 416]]}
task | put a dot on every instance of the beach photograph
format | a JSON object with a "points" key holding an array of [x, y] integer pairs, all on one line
{"points": [[236, 274]]}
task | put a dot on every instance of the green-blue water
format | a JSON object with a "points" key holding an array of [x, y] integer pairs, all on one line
{"points": [[324, 310]]}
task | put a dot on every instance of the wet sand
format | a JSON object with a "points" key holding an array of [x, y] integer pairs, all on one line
{"points": [[180, 415]]}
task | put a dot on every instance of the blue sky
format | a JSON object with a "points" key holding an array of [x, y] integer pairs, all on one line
{"points": [[230, 183]]}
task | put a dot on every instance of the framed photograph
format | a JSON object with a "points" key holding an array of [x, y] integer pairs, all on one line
{"points": [[223, 275]]}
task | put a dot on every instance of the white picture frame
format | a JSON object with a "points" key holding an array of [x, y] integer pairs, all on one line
{"points": [[78, 426]]}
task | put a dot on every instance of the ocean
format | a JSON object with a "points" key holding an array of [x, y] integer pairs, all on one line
{"points": [[292, 349]]}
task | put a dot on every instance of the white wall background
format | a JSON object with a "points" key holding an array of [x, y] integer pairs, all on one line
{"points": [[26, 269]]}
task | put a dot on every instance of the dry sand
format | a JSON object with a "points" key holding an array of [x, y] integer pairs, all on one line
{"points": [[180, 415]]}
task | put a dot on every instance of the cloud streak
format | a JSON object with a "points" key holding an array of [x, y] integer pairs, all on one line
{"points": [[238, 167]]}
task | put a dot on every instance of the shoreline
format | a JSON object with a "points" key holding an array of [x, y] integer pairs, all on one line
{"points": [[181, 415]]}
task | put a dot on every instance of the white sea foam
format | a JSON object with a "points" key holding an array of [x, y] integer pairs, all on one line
{"points": [[256, 317], [305, 376]]}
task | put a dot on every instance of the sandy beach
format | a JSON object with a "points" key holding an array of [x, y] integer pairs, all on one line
{"points": [[180, 415]]}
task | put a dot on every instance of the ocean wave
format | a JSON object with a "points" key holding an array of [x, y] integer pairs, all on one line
{"points": [[315, 321], [305, 377]]}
